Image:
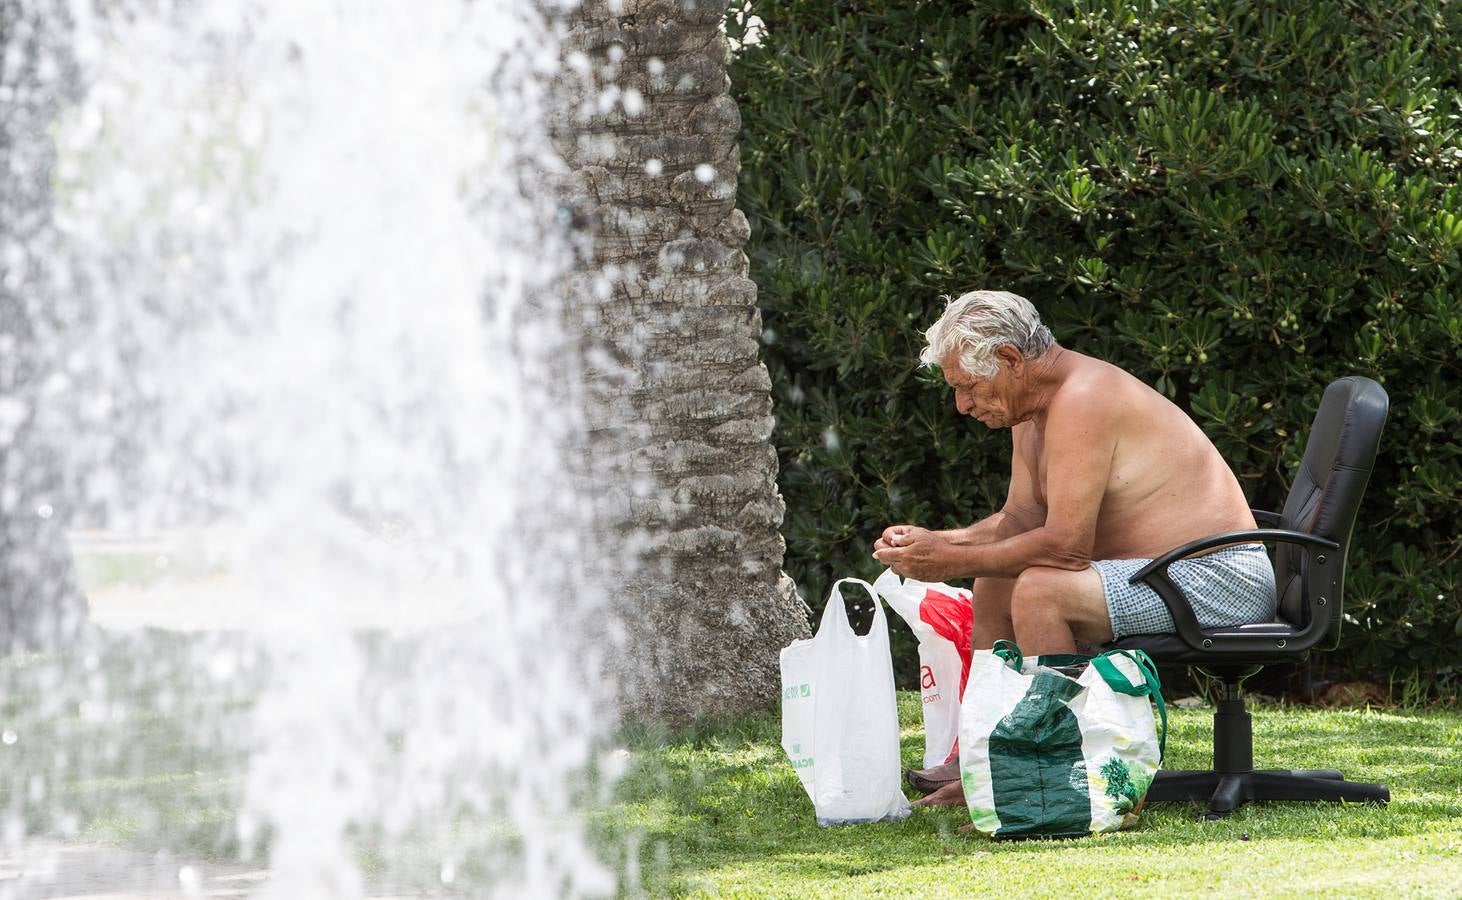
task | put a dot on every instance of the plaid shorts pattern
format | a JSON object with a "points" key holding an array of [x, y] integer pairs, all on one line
{"points": [[1232, 586]]}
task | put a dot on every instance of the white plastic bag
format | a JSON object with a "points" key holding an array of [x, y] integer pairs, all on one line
{"points": [[941, 668], [840, 724]]}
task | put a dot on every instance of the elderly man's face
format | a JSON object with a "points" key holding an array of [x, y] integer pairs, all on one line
{"points": [[985, 399]]}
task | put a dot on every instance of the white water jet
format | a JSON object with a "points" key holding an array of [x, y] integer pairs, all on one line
{"points": [[311, 381]]}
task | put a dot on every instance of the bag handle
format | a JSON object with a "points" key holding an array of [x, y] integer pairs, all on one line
{"points": [[837, 613], [1008, 651], [1151, 685]]}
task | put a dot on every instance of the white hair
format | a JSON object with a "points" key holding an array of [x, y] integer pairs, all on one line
{"points": [[978, 323]]}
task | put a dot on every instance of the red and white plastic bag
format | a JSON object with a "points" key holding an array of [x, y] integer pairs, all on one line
{"points": [[940, 616]]}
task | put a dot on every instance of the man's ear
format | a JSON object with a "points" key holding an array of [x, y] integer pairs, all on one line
{"points": [[1014, 361]]}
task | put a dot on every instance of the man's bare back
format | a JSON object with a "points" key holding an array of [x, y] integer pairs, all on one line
{"points": [[1167, 484]]}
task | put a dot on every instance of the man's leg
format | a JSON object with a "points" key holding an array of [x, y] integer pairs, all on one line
{"points": [[992, 613], [1049, 609], [1052, 609]]}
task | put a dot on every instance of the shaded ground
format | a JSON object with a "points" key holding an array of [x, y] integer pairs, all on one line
{"points": [[50, 871], [107, 873], [122, 769]]}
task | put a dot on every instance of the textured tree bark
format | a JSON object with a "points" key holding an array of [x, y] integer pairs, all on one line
{"points": [[41, 607], [679, 402]]}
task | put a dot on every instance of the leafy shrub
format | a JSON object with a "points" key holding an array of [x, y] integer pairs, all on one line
{"points": [[1236, 202]]}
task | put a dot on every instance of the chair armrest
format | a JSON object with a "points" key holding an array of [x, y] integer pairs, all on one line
{"points": [[1279, 535], [1265, 518], [1155, 575]]}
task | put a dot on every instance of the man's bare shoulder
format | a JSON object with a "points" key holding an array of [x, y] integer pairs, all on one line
{"points": [[1094, 390]]}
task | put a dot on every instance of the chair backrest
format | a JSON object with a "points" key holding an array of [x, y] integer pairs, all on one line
{"points": [[1327, 489]]}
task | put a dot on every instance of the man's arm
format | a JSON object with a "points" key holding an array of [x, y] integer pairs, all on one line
{"points": [[1080, 442], [994, 527]]}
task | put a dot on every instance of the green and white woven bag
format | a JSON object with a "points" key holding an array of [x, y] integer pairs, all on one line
{"points": [[1058, 746]]}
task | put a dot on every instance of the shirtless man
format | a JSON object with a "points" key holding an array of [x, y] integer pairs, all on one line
{"points": [[1106, 474]]}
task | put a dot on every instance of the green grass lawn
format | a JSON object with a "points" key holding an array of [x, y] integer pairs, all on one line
{"points": [[717, 811]]}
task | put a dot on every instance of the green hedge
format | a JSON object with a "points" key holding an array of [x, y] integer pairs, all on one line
{"points": [[1236, 205]]}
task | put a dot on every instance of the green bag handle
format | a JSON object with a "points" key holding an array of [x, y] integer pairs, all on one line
{"points": [[1008, 651], [1151, 685]]}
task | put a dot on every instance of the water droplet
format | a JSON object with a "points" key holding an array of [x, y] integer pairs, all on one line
{"points": [[704, 173], [44, 510], [13, 414], [222, 666], [188, 879], [9, 737], [830, 440], [656, 66], [579, 62], [449, 873], [634, 102], [653, 167]]}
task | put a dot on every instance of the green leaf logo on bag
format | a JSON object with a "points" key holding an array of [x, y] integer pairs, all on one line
{"points": [[1036, 766], [1123, 785]]}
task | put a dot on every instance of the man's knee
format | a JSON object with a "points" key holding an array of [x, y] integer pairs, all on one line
{"points": [[1039, 586], [1043, 594]]}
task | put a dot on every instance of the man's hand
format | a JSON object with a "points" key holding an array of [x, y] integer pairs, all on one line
{"points": [[914, 552], [892, 535]]}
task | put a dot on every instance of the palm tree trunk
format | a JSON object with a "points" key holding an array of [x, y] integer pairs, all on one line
{"points": [[680, 404]]}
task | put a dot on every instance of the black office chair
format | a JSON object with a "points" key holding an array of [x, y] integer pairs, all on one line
{"points": [[1313, 532]]}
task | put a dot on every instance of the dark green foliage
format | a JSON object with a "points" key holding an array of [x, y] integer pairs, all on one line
{"points": [[1236, 202]]}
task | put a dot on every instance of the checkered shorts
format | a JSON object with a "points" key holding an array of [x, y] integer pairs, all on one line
{"points": [[1232, 586]]}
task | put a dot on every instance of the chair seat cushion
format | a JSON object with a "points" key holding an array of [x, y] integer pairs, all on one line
{"points": [[1169, 648]]}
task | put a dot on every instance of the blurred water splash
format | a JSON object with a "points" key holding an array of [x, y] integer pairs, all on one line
{"points": [[305, 383]]}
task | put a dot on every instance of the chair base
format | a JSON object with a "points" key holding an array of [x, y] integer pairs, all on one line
{"points": [[1227, 791]]}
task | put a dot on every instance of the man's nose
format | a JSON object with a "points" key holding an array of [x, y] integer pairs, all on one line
{"points": [[963, 404]]}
